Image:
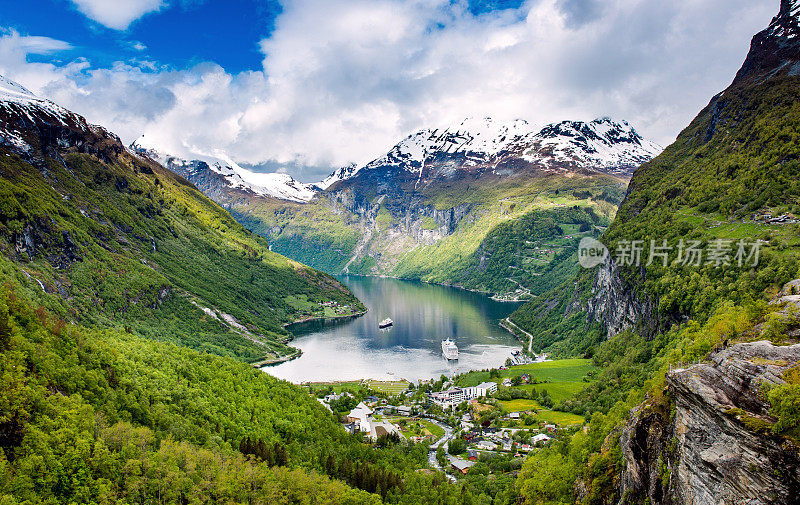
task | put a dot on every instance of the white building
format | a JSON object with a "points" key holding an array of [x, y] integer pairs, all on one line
{"points": [[452, 396], [481, 390], [325, 404], [378, 429], [361, 416]]}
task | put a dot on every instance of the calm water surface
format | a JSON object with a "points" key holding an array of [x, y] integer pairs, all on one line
{"points": [[423, 316]]}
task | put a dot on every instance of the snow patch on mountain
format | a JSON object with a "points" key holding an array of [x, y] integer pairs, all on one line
{"points": [[337, 175], [477, 139], [603, 144], [787, 23], [275, 185], [17, 101]]}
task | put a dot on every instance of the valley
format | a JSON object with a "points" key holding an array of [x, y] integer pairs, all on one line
{"points": [[445, 204], [191, 330]]}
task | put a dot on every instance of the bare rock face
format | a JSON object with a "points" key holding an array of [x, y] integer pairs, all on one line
{"points": [[617, 306], [715, 447], [776, 49]]}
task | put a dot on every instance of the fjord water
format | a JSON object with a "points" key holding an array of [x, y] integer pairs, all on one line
{"points": [[423, 314]]}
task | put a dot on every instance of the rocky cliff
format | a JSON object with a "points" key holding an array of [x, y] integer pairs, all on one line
{"points": [[617, 306], [732, 131], [715, 446]]}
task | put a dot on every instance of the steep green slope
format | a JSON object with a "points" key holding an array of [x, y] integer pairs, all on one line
{"points": [[735, 164], [727, 177], [731, 176], [442, 233], [526, 256], [114, 240]]}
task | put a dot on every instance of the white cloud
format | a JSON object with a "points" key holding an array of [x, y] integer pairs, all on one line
{"points": [[117, 14], [34, 44], [343, 80]]}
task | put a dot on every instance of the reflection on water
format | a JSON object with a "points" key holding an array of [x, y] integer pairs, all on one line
{"points": [[423, 315]]}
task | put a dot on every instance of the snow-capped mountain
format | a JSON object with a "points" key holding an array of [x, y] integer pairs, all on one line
{"points": [[18, 107], [476, 139], [603, 144], [214, 174], [337, 175], [485, 145]]}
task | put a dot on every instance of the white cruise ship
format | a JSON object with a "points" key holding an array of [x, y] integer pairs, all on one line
{"points": [[449, 349]]}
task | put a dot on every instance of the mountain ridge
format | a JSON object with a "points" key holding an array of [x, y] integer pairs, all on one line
{"points": [[114, 239], [602, 144]]}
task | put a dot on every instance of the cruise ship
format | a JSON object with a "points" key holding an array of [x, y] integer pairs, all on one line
{"points": [[385, 323], [449, 349]]}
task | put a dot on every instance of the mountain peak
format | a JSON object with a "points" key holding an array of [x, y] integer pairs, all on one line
{"points": [[212, 173], [787, 22], [12, 91], [776, 49]]}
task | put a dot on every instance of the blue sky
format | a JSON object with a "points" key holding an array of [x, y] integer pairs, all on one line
{"points": [[223, 31], [180, 35], [306, 86]]}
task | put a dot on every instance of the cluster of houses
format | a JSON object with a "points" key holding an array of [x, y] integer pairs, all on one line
{"points": [[520, 358], [492, 439], [455, 395], [337, 307]]}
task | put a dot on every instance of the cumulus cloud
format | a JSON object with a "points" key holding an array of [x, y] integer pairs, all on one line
{"points": [[343, 80], [116, 14]]}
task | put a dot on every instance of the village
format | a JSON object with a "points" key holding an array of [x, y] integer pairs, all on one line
{"points": [[492, 417]]}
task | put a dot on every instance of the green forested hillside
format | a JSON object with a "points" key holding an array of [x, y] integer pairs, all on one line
{"points": [[730, 176], [101, 416], [481, 229], [123, 242], [729, 172], [726, 177], [532, 253]]}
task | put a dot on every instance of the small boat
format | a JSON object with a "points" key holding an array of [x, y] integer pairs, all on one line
{"points": [[385, 323], [449, 349]]}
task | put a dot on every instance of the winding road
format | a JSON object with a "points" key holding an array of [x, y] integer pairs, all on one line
{"points": [[442, 442]]}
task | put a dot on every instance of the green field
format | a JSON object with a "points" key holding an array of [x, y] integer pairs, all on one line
{"points": [[425, 427], [543, 415], [338, 386], [559, 418], [388, 387], [520, 405], [558, 391], [561, 378]]}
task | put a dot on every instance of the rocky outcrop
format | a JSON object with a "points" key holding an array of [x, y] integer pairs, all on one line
{"points": [[714, 446], [39, 238], [776, 49], [615, 304]]}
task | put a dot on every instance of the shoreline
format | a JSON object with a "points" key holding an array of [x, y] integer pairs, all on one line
{"points": [[297, 352], [278, 360], [493, 295], [323, 318], [507, 325]]}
